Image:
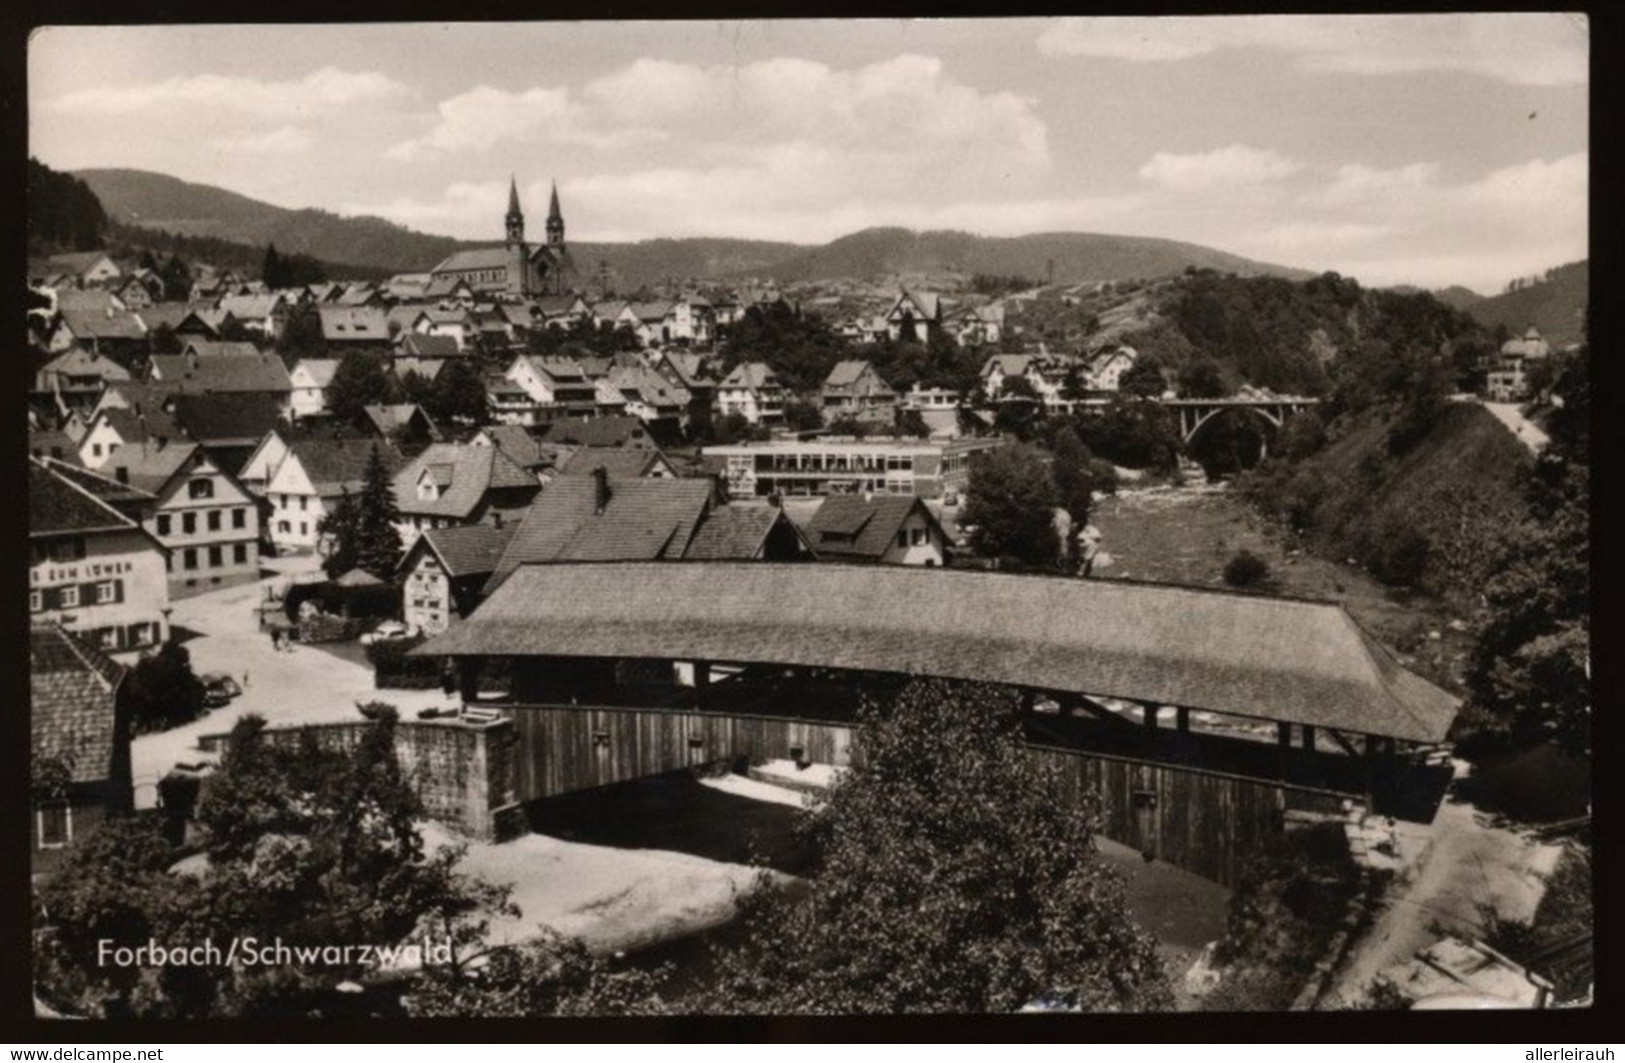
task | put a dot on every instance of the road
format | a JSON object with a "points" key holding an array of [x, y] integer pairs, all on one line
{"points": [[308, 685], [1511, 414], [1474, 863]]}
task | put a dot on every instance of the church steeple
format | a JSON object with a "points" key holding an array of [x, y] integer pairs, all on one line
{"points": [[516, 218], [555, 220]]}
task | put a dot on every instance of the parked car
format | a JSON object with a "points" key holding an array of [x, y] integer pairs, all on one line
{"points": [[388, 631], [218, 690]]}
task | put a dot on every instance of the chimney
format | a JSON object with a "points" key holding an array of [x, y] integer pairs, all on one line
{"points": [[496, 519], [600, 479]]}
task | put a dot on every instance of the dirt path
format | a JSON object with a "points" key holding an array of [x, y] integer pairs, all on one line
{"points": [[308, 685], [1511, 415], [1474, 862]]}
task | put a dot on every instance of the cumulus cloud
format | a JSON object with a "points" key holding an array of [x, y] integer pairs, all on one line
{"points": [[1237, 164], [1524, 49], [1406, 225], [901, 119], [1360, 184], [317, 91], [284, 140]]}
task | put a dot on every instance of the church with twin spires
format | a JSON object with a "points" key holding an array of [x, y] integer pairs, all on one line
{"points": [[515, 270]]}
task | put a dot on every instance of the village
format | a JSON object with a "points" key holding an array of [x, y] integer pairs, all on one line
{"points": [[606, 594]]}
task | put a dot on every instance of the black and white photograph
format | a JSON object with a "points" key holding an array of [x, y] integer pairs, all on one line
{"points": [[821, 517]]}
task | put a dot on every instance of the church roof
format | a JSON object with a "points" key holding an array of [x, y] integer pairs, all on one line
{"points": [[474, 258]]}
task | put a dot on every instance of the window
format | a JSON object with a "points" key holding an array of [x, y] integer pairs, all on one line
{"points": [[215, 557], [106, 593], [902, 537], [72, 549], [239, 553], [163, 524], [201, 488], [304, 528], [214, 520], [282, 526], [95, 450], [239, 518], [109, 638], [55, 822], [70, 597], [36, 601], [188, 523], [302, 501], [919, 536], [189, 559]]}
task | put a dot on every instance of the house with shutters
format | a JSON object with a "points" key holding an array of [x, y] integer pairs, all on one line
{"points": [[92, 568], [444, 569], [977, 326], [754, 392], [692, 373], [853, 389], [308, 482], [452, 484], [649, 396], [263, 313], [205, 518], [79, 734], [886, 529]]}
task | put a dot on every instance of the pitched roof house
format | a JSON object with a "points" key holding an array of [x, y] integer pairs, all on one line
{"points": [[895, 529], [854, 389], [458, 483], [754, 391], [79, 724], [354, 325], [443, 571]]}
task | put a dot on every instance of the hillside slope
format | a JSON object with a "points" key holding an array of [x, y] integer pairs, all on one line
{"points": [[1555, 305], [157, 201], [881, 253], [1432, 517]]}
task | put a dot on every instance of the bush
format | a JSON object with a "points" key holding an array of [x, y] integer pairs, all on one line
{"points": [[1399, 554], [394, 670], [325, 628], [163, 691], [1246, 569]]}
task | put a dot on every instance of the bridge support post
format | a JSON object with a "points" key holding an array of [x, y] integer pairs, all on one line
{"points": [[1149, 713], [702, 682], [468, 678], [1308, 738], [1182, 719]]}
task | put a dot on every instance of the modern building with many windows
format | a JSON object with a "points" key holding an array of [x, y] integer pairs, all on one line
{"points": [[929, 469], [93, 569]]}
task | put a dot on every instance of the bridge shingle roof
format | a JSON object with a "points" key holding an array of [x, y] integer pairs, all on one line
{"points": [[1279, 659]]}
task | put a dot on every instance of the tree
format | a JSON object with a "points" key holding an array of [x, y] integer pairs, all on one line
{"points": [[336, 530], [361, 379], [1074, 478], [378, 542], [1246, 569], [302, 337], [1303, 435], [1202, 379], [547, 976], [911, 422], [272, 270], [163, 691], [1143, 379], [1529, 671], [177, 280], [305, 843], [458, 394], [1011, 503], [950, 879], [801, 416]]}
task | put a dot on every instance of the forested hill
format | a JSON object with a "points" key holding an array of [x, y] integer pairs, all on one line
{"points": [[152, 200], [877, 254], [1295, 337], [63, 213], [1555, 304]]}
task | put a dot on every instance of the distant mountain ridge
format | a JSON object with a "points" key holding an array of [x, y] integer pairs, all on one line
{"points": [[1556, 305], [158, 201]]}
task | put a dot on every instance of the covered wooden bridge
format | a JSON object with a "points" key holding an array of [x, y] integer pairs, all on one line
{"points": [[1197, 716]]}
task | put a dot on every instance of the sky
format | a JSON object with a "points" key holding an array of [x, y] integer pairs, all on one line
{"points": [[1398, 149]]}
